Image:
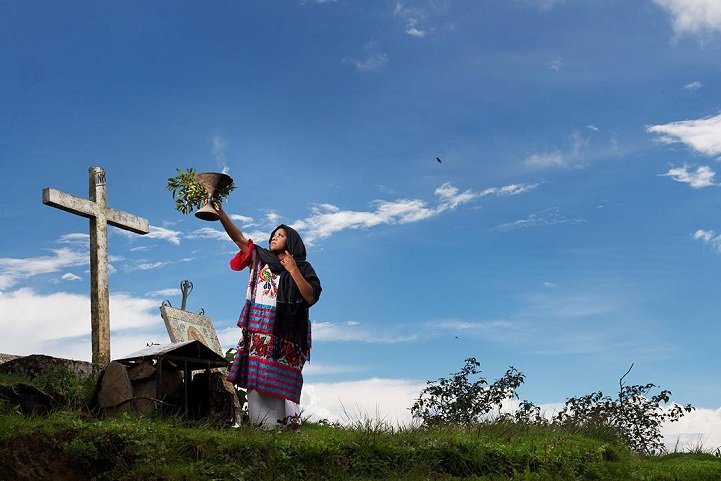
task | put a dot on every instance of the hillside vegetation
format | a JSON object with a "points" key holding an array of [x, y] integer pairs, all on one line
{"points": [[594, 438]]}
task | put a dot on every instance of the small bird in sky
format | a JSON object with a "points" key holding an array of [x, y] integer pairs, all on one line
{"points": [[439, 160]]}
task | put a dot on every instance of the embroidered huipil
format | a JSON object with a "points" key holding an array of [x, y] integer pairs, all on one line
{"points": [[254, 366]]}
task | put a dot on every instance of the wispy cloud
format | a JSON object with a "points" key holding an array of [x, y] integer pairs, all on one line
{"points": [[544, 5], [207, 233], [702, 177], [352, 331], [14, 270], [695, 85], [412, 18], [69, 276], [368, 63], [172, 236], [419, 18], [544, 218], [164, 292], [371, 59], [709, 237], [328, 219], [702, 135], [693, 17], [573, 156], [555, 63], [75, 238], [169, 235], [243, 219]]}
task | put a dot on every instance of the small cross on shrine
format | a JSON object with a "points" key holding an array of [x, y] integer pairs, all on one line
{"points": [[100, 216]]}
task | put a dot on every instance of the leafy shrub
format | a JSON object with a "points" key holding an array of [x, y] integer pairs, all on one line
{"points": [[634, 416], [459, 400]]}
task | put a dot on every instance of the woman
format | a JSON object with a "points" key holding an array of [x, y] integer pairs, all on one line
{"points": [[275, 342]]}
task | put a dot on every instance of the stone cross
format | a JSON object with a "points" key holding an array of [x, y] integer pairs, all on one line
{"points": [[100, 216]]}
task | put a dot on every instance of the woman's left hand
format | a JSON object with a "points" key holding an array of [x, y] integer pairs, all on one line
{"points": [[288, 262]]}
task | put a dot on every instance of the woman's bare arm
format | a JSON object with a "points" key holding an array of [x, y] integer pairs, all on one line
{"points": [[231, 229]]}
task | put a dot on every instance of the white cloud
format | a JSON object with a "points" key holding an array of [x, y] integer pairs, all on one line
{"points": [[388, 401], [385, 401], [573, 157], [38, 321], [695, 85], [546, 159], [411, 17], [592, 127], [75, 238], [172, 236], [169, 235], [544, 5], [709, 237], [70, 277], [316, 369], [164, 292], [208, 233], [369, 63], [245, 220], [420, 17], [693, 17], [544, 218], [356, 332], [147, 266], [14, 270], [699, 428], [702, 177], [273, 218], [555, 63], [702, 135], [328, 219]]}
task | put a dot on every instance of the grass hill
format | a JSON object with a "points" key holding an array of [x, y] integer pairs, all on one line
{"points": [[66, 446]]}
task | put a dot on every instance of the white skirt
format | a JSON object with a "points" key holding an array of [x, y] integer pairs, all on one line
{"points": [[270, 412]]}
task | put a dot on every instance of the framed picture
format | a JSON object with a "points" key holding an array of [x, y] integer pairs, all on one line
{"points": [[187, 326]]}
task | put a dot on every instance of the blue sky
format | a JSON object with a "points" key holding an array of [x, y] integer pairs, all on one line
{"points": [[572, 228]]}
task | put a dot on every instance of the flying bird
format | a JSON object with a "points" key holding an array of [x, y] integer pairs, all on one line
{"points": [[439, 160]]}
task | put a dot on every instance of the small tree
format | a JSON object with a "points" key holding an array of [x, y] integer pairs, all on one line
{"points": [[634, 416], [459, 400]]}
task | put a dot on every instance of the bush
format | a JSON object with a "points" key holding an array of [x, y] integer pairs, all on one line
{"points": [[633, 416], [461, 401]]}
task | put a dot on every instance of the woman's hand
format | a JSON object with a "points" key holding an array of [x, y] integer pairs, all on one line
{"points": [[288, 262]]}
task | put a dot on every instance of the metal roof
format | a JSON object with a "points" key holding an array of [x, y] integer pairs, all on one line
{"points": [[194, 351]]}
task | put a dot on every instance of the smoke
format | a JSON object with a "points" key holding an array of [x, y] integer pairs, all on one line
{"points": [[220, 149]]}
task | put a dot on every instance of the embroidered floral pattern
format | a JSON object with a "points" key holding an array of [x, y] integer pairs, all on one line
{"points": [[270, 282], [261, 346]]}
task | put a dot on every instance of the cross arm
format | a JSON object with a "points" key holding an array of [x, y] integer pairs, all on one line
{"points": [[125, 221], [69, 203], [89, 209]]}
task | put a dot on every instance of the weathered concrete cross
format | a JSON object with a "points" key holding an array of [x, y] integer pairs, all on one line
{"points": [[100, 216]]}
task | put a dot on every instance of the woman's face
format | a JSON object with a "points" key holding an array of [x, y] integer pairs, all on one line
{"points": [[278, 242]]}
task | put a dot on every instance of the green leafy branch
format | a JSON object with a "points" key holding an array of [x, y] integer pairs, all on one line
{"points": [[189, 194]]}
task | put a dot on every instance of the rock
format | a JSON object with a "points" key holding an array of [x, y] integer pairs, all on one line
{"points": [[142, 372], [28, 398], [116, 389], [37, 365], [7, 357], [145, 393]]}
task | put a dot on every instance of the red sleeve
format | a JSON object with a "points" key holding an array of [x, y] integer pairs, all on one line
{"points": [[242, 259]]}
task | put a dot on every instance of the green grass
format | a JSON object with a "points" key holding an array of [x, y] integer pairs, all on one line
{"points": [[68, 446]]}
